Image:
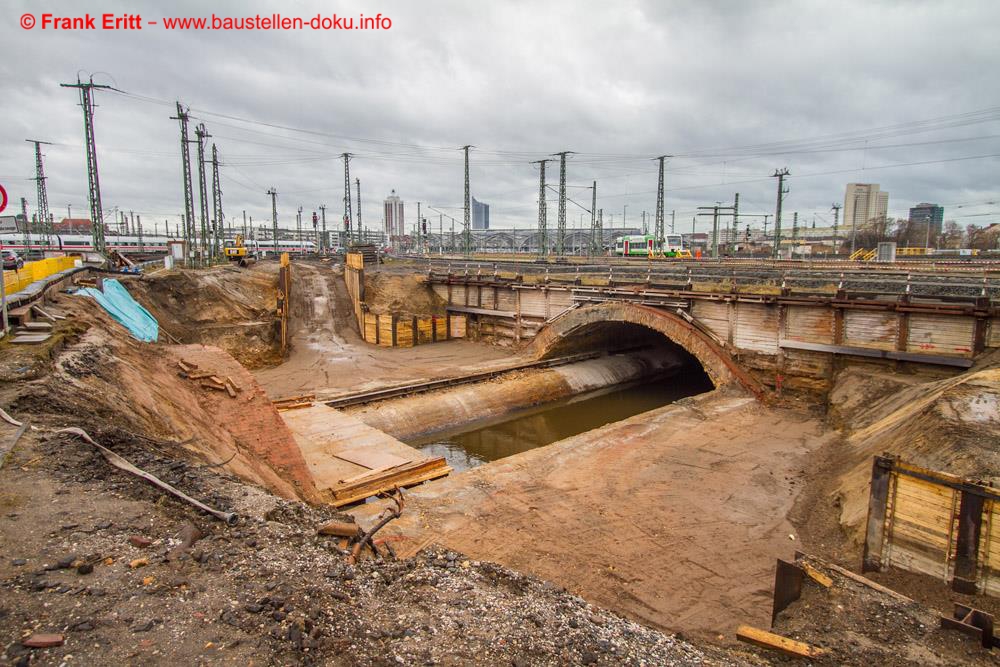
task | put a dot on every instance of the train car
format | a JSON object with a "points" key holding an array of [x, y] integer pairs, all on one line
{"points": [[130, 244], [83, 242], [643, 245]]}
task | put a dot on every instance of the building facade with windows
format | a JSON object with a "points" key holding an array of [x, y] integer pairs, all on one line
{"points": [[864, 203], [392, 216], [480, 215], [928, 214]]}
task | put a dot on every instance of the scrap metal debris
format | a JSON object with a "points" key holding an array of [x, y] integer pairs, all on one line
{"points": [[122, 464], [388, 514]]}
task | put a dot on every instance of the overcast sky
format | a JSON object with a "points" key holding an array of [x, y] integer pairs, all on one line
{"points": [[898, 93]]}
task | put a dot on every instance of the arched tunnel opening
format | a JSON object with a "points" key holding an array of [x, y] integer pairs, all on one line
{"points": [[635, 370]]}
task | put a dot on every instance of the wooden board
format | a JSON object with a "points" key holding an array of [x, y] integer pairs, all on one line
{"points": [[371, 459], [769, 640], [337, 446], [31, 338]]}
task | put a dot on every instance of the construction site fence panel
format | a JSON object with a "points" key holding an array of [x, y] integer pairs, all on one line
{"points": [[15, 281], [933, 523]]}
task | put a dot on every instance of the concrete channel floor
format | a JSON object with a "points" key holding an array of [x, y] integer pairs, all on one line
{"points": [[673, 517]]}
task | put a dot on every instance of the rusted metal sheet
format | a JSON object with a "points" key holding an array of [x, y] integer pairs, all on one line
{"points": [[874, 329], [756, 328], [714, 315], [940, 334], [809, 324]]}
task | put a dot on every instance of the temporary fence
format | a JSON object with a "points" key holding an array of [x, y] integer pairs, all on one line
{"points": [[395, 330], [15, 281]]}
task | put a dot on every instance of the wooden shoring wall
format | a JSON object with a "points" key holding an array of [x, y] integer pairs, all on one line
{"points": [[933, 523], [391, 330]]}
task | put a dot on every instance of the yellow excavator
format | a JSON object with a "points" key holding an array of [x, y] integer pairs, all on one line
{"points": [[238, 252]]}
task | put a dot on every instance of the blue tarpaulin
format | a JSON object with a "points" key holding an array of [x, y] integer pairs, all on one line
{"points": [[120, 305]]}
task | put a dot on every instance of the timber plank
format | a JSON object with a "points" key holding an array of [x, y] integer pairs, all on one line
{"points": [[769, 640]]}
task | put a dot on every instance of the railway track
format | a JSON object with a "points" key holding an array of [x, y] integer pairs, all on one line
{"points": [[397, 391], [965, 281]]}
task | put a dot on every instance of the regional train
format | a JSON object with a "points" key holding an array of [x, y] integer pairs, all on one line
{"points": [[641, 245], [130, 245]]}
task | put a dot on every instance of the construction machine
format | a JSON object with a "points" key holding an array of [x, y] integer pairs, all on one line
{"points": [[237, 251]]}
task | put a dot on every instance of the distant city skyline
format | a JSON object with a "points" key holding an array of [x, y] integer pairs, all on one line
{"points": [[921, 122]]}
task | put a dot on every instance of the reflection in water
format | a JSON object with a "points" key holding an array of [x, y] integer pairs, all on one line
{"points": [[545, 424]]}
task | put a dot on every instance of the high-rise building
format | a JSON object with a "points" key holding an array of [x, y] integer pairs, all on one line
{"points": [[480, 215], [864, 203], [393, 217], [930, 214]]}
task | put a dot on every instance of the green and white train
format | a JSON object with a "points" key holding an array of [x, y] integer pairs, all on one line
{"points": [[643, 245]]}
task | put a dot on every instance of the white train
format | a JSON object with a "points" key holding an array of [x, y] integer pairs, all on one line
{"points": [[130, 244]]}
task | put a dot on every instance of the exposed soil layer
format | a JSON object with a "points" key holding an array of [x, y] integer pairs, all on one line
{"points": [[951, 424], [858, 625], [267, 591], [405, 294], [674, 517], [328, 357], [119, 389], [229, 307]]}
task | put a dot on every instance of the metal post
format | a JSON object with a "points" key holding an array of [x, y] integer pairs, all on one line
{"points": [[324, 242], [188, 216], [217, 203], [466, 234], [43, 197], [347, 195], [298, 228], [596, 242], [274, 217], [660, 195], [94, 190], [736, 219], [780, 174], [543, 212], [561, 221], [357, 183], [201, 134]]}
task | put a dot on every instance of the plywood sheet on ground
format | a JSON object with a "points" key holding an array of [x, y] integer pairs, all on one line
{"points": [[338, 447], [371, 459], [673, 517]]}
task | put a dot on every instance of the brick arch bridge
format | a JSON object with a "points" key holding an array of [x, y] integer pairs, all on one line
{"points": [[717, 362]]}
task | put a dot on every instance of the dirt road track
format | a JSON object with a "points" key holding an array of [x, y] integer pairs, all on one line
{"points": [[674, 517], [328, 357]]}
